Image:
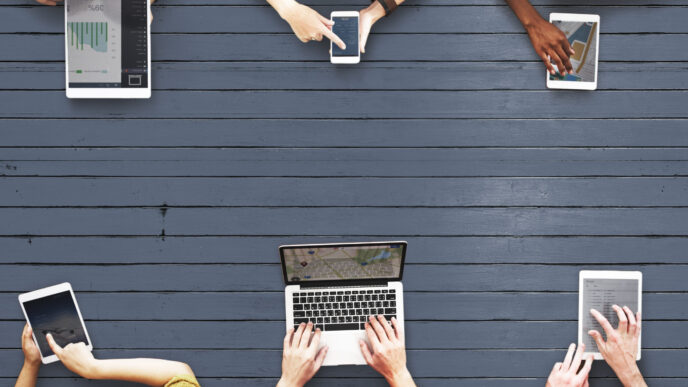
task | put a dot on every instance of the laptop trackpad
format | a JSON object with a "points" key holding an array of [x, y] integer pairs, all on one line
{"points": [[343, 347]]}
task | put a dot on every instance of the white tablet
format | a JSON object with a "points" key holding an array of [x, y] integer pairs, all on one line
{"points": [[583, 33], [600, 290], [107, 48], [54, 310]]}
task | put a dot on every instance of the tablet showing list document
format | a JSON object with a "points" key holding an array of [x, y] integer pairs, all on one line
{"points": [[107, 45], [583, 34], [600, 290]]}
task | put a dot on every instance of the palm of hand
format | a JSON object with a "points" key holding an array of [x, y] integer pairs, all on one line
{"points": [[616, 345], [31, 352], [300, 366], [545, 36], [386, 360], [77, 358], [365, 24]]}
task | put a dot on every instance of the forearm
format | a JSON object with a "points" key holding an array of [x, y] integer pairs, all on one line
{"points": [[285, 383], [28, 375], [153, 372], [632, 378], [402, 379], [525, 12]]}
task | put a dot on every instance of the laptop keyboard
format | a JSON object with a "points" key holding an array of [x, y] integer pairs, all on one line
{"points": [[340, 310]]}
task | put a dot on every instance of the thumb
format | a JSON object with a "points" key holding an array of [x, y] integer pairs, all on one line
{"points": [[365, 30], [365, 351], [320, 358], [53, 345], [598, 339], [27, 331]]}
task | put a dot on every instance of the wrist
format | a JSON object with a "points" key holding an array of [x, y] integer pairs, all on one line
{"points": [[400, 378], [96, 369], [376, 10], [632, 377], [31, 365], [531, 20], [284, 382], [283, 6]]}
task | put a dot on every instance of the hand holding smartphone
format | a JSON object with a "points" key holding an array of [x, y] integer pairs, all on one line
{"points": [[346, 27]]}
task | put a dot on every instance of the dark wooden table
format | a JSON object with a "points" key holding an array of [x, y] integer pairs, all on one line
{"points": [[166, 214]]}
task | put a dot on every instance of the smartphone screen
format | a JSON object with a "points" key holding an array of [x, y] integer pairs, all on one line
{"points": [[346, 27]]}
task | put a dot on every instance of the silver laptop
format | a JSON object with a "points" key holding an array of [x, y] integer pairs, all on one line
{"points": [[338, 286]]}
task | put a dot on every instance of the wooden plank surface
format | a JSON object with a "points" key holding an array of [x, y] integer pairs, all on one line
{"points": [[165, 214]]}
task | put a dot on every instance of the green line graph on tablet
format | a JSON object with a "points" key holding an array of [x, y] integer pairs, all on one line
{"points": [[93, 40]]}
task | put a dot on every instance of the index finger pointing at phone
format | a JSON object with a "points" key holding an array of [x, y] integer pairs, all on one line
{"points": [[53, 345], [333, 37]]}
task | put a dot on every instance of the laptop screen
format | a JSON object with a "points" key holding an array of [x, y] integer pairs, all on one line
{"points": [[343, 262]]}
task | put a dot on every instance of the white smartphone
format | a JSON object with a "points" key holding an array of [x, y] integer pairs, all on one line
{"points": [[346, 27], [54, 310], [583, 33]]}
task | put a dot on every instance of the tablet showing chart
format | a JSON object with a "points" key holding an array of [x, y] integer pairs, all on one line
{"points": [[107, 43]]}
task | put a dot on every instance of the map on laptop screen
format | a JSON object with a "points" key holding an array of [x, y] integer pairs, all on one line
{"points": [[343, 262]]}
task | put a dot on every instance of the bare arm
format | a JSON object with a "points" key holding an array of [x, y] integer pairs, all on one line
{"points": [[547, 40], [153, 372], [32, 361], [306, 23], [387, 351], [28, 376], [621, 348], [370, 16]]}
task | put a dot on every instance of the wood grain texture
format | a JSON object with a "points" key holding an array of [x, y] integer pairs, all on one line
{"points": [[422, 249], [165, 214]]}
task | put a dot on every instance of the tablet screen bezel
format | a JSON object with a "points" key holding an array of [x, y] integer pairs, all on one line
{"points": [[607, 274], [576, 17], [109, 92], [49, 291]]}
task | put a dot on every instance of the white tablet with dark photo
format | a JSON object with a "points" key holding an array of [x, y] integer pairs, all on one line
{"points": [[107, 48], [600, 289], [583, 33], [54, 310]]}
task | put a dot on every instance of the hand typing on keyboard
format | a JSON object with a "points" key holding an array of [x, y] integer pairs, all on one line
{"points": [[387, 352], [301, 358]]}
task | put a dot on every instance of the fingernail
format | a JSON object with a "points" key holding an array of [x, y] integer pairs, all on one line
{"points": [[592, 311]]}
